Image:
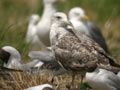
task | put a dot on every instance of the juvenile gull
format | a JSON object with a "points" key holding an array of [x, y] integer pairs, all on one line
{"points": [[75, 51], [78, 19], [31, 36], [41, 87], [101, 79], [12, 59]]}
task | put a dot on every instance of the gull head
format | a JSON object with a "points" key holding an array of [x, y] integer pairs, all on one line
{"points": [[77, 13], [34, 18], [8, 52], [59, 18]]}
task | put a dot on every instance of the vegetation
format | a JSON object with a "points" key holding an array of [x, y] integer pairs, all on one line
{"points": [[14, 16]]}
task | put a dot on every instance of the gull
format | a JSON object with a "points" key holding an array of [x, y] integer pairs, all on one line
{"points": [[43, 26], [31, 36], [41, 87], [78, 19], [76, 52], [12, 59], [101, 79], [48, 60]]}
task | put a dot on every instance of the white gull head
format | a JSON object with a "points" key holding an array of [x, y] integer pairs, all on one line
{"points": [[12, 59], [15, 58], [76, 13], [59, 17], [59, 22]]}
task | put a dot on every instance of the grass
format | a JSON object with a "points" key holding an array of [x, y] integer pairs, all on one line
{"points": [[14, 16], [23, 80]]}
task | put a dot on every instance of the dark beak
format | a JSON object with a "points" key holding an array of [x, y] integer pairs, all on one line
{"points": [[4, 56]]}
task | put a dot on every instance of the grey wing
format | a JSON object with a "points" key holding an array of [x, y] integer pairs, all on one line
{"points": [[114, 80], [33, 63], [49, 62], [96, 34], [41, 55]]}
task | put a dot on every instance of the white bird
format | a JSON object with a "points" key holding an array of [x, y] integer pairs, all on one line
{"points": [[78, 19], [102, 79], [41, 87], [12, 59], [43, 26], [31, 36]]}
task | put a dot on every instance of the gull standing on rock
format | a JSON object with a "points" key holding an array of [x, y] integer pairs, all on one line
{"points": [[101, 79], [75, 51], [12, 59], [31, 36], [78, 19], [43, 26]]}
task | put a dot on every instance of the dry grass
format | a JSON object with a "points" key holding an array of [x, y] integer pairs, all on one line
{"points": [[23, 80]]}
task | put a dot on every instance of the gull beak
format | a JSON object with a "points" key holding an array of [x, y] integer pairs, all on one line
{"points": [[85, 18], [38, 20], [4, 56]]}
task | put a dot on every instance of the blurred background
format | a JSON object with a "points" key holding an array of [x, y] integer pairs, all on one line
{"points": [[14, 19]]}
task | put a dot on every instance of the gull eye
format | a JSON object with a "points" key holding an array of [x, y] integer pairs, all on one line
{"points": [[58, 17]]}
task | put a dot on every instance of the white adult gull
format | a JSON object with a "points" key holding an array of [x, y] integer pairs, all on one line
{"points": [[43, 26], [75, 51], [41, 87], [12, 59], [101, 79], [78, 19], [31, 36]]}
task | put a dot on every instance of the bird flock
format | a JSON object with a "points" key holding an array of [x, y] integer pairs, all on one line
{"points": [[72, 43]]}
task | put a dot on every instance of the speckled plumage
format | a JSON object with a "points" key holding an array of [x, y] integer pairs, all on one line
{"points": [[73, 49], [73, 52]]}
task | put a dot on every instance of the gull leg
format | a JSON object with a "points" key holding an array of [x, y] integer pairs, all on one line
{"points": [[71, 86], [81, 82], [72, 82]]}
